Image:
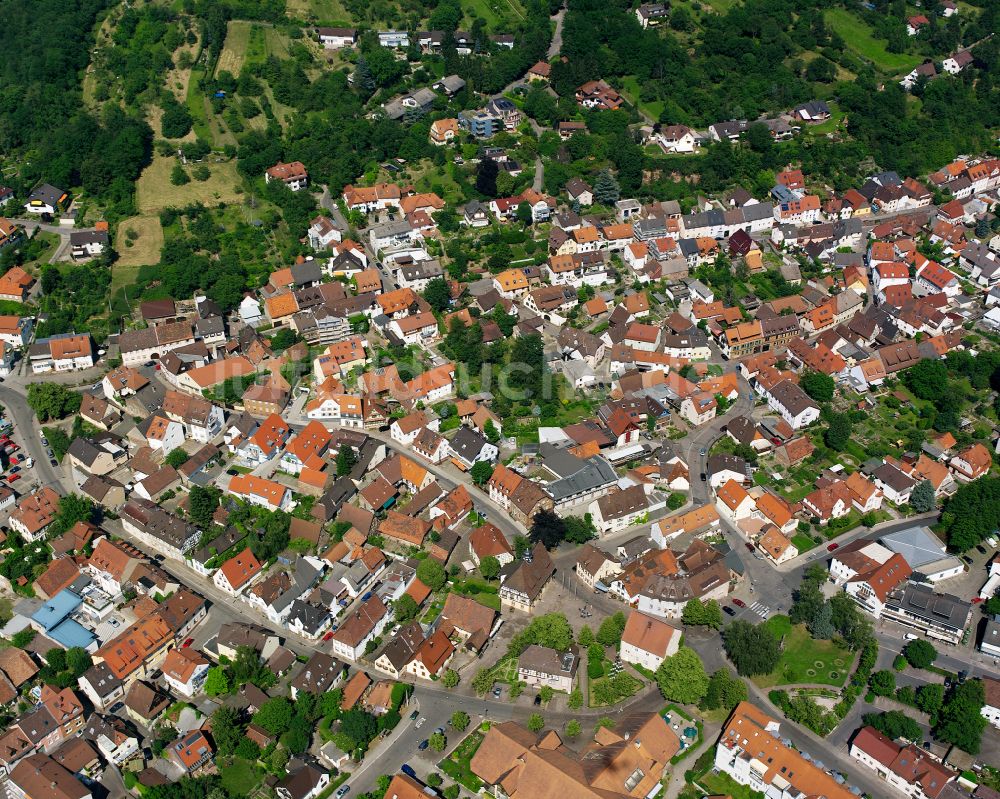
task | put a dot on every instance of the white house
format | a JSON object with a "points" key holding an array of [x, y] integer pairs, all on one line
{"points": [[734, 503], [793, 404], [185, 670], [237, 573], [647, 640], [620, 510]]}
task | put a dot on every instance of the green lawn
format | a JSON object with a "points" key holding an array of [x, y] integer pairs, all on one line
{"points": [[860, 38], [456, 765], [832, 124], [238, 776], [630, 87], [803, 542], [724, 785], [805, 660], [196, 106]]}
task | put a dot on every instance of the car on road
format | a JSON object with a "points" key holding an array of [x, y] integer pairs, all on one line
{"points": [[423, 745], [414, 715], [187, 643], [342, 791], [976, 600], [232, 472], [407, 769], [833, 547], [704, 477], [728, 610], [439, 730], [703, 452], [53, 462], [420, 722], [739, 602]]}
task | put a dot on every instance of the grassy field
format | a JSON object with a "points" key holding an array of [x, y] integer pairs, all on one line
{"points": [[154, 191], [861, 40], [235, 49], [831, 125], [329, 12], [805, 661], [630, 87], [196, 106], [145, 247], [495, 12], [238, 776]]}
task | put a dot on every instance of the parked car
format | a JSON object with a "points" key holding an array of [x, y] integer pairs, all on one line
{"points": [[832, 547], [13, 478], [423, 745], [408, 770], [976, 600], [53, 462], [342, 791], [497, 692], [748, 545], [739, 602], [15, 469], [728, 610], [187, 643], [328, 636], [414, 715], [41, 434]]}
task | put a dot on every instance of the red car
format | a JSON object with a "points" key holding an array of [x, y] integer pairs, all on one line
{"points": [[14, 460], [832, 547], [328, 636], [739, 603], [13, 478], [976, 600], [187, 643]]}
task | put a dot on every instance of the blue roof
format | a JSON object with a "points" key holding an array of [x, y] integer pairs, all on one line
{"points": [[71, 633], [56, 609]]}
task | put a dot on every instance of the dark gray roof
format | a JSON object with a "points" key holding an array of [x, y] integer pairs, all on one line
{"points": [[467, 443]]}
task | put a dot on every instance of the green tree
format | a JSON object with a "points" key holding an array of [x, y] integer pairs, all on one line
{"points": [[894, 724], [535, 722], [817, 385], [611, 629], [432, 574], [437, 294], [491, 432], [575, 701], [838, 431], [359, 726], [53, 401], [573, 729], [202, 504], [226, 730], [550, 630], [579, 530], [922, 496], [606, 189], [681, 677], [216, 681], [489, 567], [920, 653], [927, 379], [275, 715], [176, 458], [179, 176], [960, 721], [883, 683], [405, 608], [930, 699], [460, 720], [346, 459], [702, 614], [725, 690], [547, 529], [481, 472], [486, 177], [450, 678], [437, 742], [753, 649]]}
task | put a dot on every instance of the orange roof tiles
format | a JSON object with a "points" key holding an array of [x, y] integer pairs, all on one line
{"points": [[241, 569]]}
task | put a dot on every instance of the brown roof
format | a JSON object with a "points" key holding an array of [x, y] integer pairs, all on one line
{"points": [[404, 528], [145, 700], [357, 625], [465, 614], [489, 540], [354, 689], [60, 573], [648, 633], [530, 577], [40, 776], [17, 665]]}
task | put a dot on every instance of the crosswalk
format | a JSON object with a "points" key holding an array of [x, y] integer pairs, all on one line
{"points": [[760, 609]]}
